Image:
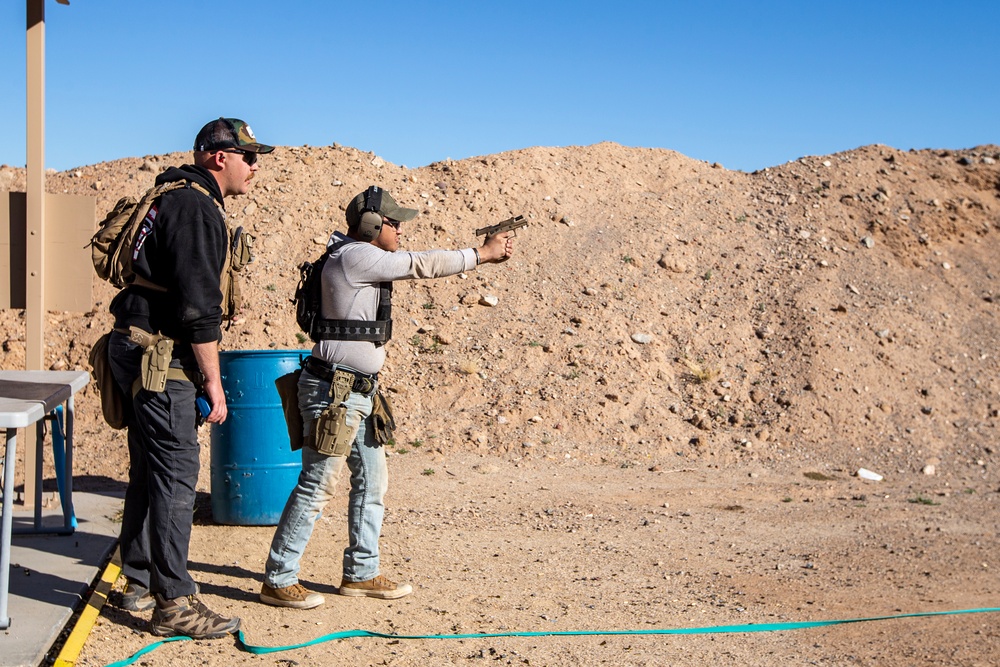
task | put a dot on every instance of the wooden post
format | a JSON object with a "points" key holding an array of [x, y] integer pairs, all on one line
{"points": [[34, 312], [35, 237]]}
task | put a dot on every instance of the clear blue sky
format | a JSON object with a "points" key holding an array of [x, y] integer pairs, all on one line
{"points": [[747, 84]]}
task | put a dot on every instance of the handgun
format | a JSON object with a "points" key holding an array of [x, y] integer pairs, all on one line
{"points": [[508, 225]]}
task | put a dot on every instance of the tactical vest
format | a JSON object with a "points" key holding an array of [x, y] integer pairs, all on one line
{"points": [[378, 331]]}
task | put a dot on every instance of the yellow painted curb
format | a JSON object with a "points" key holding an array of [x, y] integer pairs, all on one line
{"points": [[85, 623]]}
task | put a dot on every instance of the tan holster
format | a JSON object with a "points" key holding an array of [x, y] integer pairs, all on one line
{"points": [[333, 435], [154, 369]]}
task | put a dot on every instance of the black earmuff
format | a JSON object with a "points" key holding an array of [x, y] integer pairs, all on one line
{"points": [[370, 223]]}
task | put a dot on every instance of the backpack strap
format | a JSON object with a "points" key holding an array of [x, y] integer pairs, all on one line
{"points": [[203, 190], [152, 197]]}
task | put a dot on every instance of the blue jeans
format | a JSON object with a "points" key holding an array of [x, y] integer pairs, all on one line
{"points": [[369, 482]]}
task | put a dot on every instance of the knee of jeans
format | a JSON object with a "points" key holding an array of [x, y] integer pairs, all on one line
{"points": [[378, 485], [329, 484], [320, 475]]}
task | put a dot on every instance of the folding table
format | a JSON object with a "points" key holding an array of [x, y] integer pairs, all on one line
{"points": [[26, 397]]}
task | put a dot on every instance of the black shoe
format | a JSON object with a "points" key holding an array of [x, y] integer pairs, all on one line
{"points": [[189, 617]]}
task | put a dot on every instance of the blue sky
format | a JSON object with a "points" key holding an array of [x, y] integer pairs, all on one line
{"points": [[746, 84]]}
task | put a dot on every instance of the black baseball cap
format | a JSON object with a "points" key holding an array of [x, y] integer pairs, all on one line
{"points": [[229, 133]]}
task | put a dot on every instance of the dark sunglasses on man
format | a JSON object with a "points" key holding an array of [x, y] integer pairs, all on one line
{"points": [[248, 156]]}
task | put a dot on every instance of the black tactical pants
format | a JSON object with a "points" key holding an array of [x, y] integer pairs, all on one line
{"points": [[163, 472]]}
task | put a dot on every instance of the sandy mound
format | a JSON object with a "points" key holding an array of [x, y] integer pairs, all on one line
{"points": [[840, 308]]}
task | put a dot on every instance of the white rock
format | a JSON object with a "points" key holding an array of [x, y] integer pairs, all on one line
{"points": [[864, 473], [929, 470], [642, 338], [489, 300]]}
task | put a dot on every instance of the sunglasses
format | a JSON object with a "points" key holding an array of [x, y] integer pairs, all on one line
{"points": [[248, 156], [395, 224]]}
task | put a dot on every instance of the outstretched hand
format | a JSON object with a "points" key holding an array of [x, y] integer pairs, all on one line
{"points": [[497, 248]]}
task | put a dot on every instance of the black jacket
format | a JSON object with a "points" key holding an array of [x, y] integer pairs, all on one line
{"points": [[184, 252]]}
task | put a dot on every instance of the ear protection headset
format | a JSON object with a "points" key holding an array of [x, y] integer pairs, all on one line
{"points": [[370, 223]]}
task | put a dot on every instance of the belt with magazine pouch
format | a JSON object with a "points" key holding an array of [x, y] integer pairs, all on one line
{"points": [[334, 434], [361, 384]]}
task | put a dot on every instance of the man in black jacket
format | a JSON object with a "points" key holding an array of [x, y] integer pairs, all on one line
{"points": [[183, 258]]}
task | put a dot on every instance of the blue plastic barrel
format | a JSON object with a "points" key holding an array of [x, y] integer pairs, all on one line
{"points": [[253, 466]]}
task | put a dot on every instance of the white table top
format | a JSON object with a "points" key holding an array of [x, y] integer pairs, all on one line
{"points": [[17, 413]]}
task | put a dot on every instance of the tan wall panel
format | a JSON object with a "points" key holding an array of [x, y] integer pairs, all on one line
{"points": [[68, 269]]}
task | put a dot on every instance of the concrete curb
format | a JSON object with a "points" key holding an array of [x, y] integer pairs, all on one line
{"points": [[85, 623]]}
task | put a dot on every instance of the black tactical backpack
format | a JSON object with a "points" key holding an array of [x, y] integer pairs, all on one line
{"points": [[308, 294], [308, 298]]}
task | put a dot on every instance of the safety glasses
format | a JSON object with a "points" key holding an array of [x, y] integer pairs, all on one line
{"points": [[248, 156]]}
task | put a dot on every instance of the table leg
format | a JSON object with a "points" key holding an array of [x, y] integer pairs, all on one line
{"points": [[39, 460], [69, 512], [8, 516]]}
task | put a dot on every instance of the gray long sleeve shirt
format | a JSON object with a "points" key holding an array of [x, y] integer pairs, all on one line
{"points": [[351, 280]]}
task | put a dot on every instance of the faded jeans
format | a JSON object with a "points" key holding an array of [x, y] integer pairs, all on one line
{"points": [[369, 482]]}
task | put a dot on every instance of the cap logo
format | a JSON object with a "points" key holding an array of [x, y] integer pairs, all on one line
{"points": [[246, 128]]}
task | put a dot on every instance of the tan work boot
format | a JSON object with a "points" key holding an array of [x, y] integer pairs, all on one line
{"points": [[137, 597], [189, 617], [295, 596], [379, 587]]}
